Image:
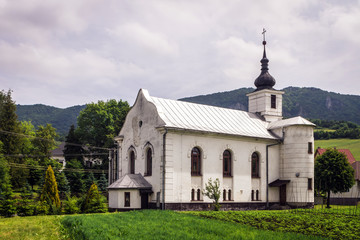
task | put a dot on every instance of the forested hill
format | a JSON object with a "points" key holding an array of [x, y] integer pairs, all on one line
{"points": [[311, 103], [40, 114], [308, 102]]}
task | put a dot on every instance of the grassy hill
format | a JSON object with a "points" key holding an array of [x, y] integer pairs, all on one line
{"points": [[352, 144], [311, 103]]}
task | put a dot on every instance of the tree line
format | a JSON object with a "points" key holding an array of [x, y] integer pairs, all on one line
{"points": [[330, 129], [25, 155]]}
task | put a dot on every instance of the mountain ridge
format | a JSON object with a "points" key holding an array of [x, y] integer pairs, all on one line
{"points": [[309, 102]]}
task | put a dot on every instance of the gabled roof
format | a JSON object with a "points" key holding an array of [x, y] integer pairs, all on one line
{"points": [[131, 181], [347, 152], [290, 122], [204, 118]]}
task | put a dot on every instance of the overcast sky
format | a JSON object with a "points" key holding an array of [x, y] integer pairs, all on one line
{"points": [[65, 53]]}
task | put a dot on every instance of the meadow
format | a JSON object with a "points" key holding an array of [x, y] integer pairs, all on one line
{"points": [[155, 224], [352, 144]]}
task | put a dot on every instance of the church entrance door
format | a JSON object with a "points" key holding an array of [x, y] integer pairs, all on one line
{"points": [[144, 200]]}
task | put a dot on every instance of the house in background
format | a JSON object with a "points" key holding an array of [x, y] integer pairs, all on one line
{"points": [[89, 161], [168, 150], [352, 197]]}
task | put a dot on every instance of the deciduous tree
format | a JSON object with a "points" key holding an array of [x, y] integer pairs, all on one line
{"points": [[333, 173], [99, 123], [212, 191]]}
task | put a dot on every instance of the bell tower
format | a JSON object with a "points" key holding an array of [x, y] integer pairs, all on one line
{"points": [[265, 100]]}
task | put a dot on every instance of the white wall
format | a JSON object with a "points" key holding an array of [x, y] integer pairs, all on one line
{"points": [[179, 181], [297, 161], [117, 198]]}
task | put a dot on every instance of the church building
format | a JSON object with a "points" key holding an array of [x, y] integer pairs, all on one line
{"points": [[168, 150]]}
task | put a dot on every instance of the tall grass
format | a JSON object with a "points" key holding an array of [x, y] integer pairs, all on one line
{"points": [[152, 224], [31, 228], [329, 223]]}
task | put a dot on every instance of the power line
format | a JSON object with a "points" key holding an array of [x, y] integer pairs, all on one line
{"points": [[51, 140], [53, 155], [37, 167]]}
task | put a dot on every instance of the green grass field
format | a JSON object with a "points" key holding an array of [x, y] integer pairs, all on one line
{"points": [[337, 223], [29, 228], [352, 144]]}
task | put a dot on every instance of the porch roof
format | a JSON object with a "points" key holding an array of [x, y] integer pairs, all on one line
{"points": [[278, 183], [131, 181]]}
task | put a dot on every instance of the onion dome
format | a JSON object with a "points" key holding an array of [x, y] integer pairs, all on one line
{"points": [[264, 80]]}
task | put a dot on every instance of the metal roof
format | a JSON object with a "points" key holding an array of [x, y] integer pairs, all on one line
{"points": [[204, 118], [131, 181], [290, 122]]}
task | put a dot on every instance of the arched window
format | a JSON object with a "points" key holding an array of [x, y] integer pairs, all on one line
{"points": [[195, 162], [192, 194], [224, 195], [132, 162], [148, 162], [252, 195], [198, 194], [226, 163], [229, 194], [257, 195], [255, 165]]}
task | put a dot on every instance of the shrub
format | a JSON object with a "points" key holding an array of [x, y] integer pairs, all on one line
{"points": [[41, 208], [93, 202], [70, 205]]}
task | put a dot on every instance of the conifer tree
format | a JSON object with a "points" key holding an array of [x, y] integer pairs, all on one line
{"points": [[73, 148], [75, 175], [102, 182], [89, 180], [50, 192], [94, 201], [7, 201]]}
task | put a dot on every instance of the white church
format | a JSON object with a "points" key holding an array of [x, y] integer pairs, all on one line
{"points": [[168, 150]]}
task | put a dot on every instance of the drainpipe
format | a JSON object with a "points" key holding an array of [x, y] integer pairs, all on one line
{"points": [[163, 170]]}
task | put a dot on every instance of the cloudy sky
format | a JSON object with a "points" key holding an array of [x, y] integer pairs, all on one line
{"points": [[65, 53]]}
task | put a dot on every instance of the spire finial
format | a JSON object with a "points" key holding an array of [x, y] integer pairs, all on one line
{"points": [[263, 33], [265, 80]]}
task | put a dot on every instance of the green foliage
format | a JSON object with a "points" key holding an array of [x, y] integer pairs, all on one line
{"points": [[70, 205], [307, 102], [50, 193], [74, 177], [352, 144], [42, 208], [63, 184], [44, 142], [73, 148], [89, 180], [99, 123], [93, 202], [309, 222], [40, 114], [26, 206], [212, 191], [333, 173], [9, 124], [7, 201], [102, 182], [152, 224]]}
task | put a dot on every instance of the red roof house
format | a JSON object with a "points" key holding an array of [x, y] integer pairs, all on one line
{"points": [[347, 153]]}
